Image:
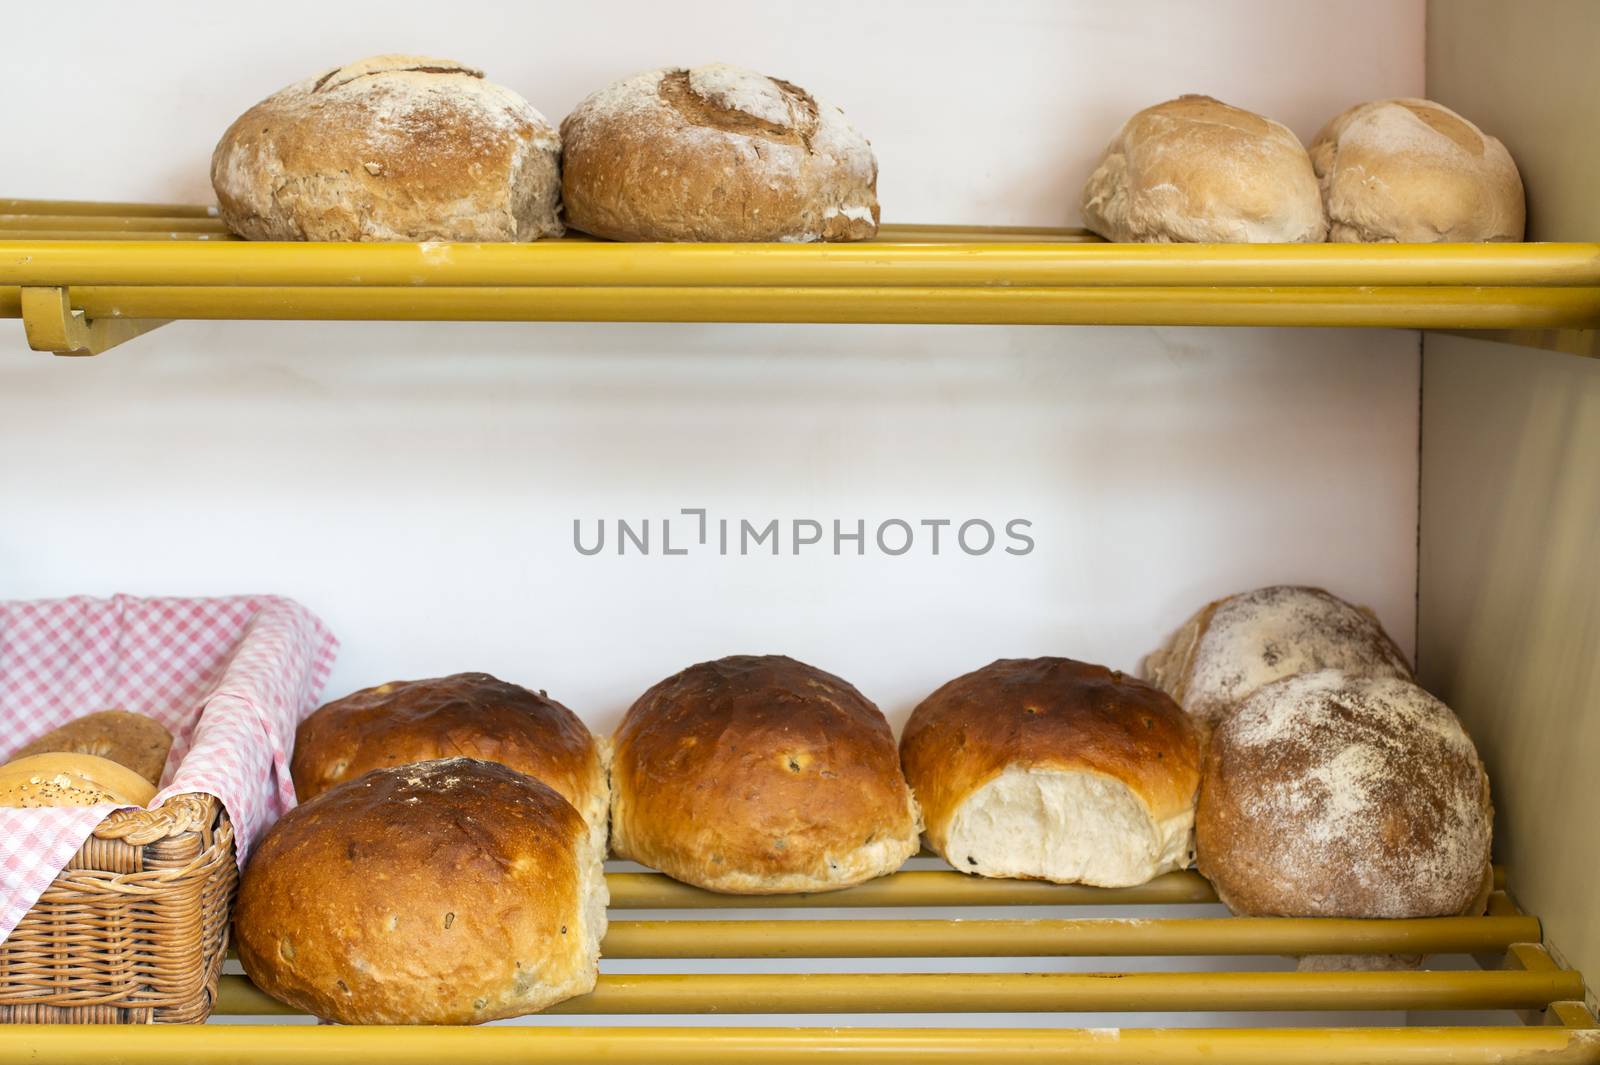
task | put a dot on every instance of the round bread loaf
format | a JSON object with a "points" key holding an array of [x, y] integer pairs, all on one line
{"points": [[1329, 795], [447, 892], [1051, 769], [393, 147], [470, 715], [141, 743], [716, 153], [1233, 646], [758, 775], [1197, 170], [70, 779], [1415, 171]]}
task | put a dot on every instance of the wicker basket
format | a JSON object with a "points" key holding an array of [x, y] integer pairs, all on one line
{"points": [[134, 929]]}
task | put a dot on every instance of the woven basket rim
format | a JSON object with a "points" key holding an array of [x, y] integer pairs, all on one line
{"points": [[190, 811]]}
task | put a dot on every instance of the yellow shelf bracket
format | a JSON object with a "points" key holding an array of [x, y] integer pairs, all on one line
{"points": [[53, 325]]}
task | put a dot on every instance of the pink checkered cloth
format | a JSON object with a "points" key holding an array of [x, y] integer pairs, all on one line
{"points": [[230, 678]]}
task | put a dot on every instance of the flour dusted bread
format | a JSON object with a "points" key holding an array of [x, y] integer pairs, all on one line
{"points": [[1195, 169], [1330, 795], [1233, 646], [141, 743], [716, 153], [757, 775], [1051, 769], [393, 147], [71, 779], [447, 892], [1415, 171]]}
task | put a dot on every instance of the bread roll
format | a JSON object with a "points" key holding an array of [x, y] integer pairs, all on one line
{"points": [[1330, 795], [1050, 769], [1235, 645], [1415, 171], [447, 892], [60, 779], [141, 743], [757, 775], [1197, 170], [716, 153], [393, 147], [471, 715]]}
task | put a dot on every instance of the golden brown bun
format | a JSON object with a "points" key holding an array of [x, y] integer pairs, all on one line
{"points": [[716, 153], [757, 775], [445, 892], [1329, 795], [1233, 646], [141, 743], [468, 715], [1415, 171], [58, 779], [392, 147], [1047, 768], [1197, 170]]}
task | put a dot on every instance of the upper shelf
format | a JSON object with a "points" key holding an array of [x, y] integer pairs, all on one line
{"points": [[84, 276]]}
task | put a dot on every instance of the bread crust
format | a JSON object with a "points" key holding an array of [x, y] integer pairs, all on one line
{"points": [[716, 153], [59, 778], [760, 775], [448, 892], [141, 743]]}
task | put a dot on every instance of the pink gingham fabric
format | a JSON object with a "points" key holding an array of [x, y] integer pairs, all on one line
{"points": [[230, 678]]}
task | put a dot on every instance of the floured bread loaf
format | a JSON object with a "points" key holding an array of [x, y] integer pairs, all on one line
{"points": [[1051, 769], [1197, 170], [1328, 795], [1235, 645], [393, 147], [716, 153], [1415, 171]]}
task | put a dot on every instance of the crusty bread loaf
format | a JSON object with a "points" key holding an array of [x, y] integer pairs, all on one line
{"points": [[1047, 768], [71, 779], [1330, 795], [1233, 646], [470, 715], [393, 147], [758, 775], [447, 892], [141, 743], [1197, 170], [716, 153], [1415, 171]]}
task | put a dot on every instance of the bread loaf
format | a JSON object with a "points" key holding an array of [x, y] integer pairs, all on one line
{"points": [[393, 147], [70, 779], [447, 892], [1415, 171], [758, 775], [1051, 769], [1197, 170], [141, 743], [716, 153]]}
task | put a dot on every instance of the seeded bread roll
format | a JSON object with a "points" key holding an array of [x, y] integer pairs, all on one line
{"points": [[1051, 769], [758, 775], [445, 892], [1415, 171], [1235, 645], [58, 779], [393, 147], [134, 740], [716, 153], [1330, 795], [1197, 170]]}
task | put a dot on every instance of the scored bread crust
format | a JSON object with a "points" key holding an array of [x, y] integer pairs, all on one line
{"points": [[716, 153], [1195, 169], [1414, 171], [139, 742], [448, 892], [392, 147], [760, 775], [1051, 714]]}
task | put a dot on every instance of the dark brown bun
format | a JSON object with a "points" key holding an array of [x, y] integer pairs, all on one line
{"points": [[141, 743], [1047, 768], [1329, 795], [446, 892], [469, 715], [758, 775]]}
